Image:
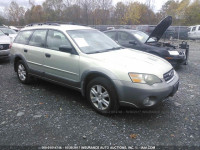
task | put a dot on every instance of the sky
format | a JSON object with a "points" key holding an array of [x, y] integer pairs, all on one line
{"points": [[157, 4]]}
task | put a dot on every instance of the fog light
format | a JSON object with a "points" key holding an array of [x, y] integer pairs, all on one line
{"points": [[146, 101]]}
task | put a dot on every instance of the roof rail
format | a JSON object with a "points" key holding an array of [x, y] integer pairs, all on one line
{"points": [[67, 23], [40, 24], [56, 23]]}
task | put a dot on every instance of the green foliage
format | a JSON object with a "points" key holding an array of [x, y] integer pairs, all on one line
{"points": [[185, 12], [192, 14], [95, 12]]}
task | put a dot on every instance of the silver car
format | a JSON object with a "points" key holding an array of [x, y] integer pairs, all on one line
{"points": [[87, 60], [4, 46]]}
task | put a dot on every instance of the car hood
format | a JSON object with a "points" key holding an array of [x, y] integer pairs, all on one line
{"points": [[129, 60], [4, 39], [160, 28]]}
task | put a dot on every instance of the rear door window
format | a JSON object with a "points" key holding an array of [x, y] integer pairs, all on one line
{"points": [[23, 37], [56, 39], [38, 38]]}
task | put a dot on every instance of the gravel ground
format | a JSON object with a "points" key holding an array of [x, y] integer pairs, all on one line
{"points": [[46, 114]]}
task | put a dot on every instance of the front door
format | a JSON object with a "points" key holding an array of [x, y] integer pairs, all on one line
{"points": [[125, 38], [58, 65]]}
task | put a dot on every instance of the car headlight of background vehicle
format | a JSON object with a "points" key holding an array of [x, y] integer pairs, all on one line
{"points": [[144, 78], [174, 53]]}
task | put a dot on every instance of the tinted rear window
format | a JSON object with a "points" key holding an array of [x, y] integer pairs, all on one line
{"points": [[23, 37]]}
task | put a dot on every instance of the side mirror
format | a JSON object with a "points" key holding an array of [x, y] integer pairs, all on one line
{"points": [[6, 34], [65, 48], [132, 42]]}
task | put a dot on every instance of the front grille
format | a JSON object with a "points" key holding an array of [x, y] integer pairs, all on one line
{"points": [[4, 46], [169, 75]]}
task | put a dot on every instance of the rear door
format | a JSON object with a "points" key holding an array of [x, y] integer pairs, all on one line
{"points": [[21, 41], [60, 66], [35, 51], [198, 32]]}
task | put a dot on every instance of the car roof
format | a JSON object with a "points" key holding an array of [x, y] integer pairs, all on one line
{"points": [[57, 27]]}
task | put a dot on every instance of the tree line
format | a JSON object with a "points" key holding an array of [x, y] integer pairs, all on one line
{"points": [[101, 12]]}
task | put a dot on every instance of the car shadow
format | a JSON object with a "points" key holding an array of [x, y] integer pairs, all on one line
{"points": [[4, 61], [61, 91]]}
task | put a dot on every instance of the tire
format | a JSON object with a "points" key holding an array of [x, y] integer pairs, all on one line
{"points": [[102, 95], [22, 72]]}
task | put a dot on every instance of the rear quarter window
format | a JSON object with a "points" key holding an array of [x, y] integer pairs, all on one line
{"points": [[23, 37]]}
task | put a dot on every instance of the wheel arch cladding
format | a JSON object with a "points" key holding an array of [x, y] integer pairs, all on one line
{"points": [[89, 75], [18, 58]]}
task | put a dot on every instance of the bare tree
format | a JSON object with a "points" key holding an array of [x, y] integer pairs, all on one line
{"points": [[15, 13]]}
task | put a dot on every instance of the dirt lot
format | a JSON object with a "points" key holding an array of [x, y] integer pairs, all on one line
{"points": [[46, 114]]}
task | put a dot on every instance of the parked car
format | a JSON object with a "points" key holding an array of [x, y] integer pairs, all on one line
{"points": [[173, 32], [181, 32], [89, 61], [150, 43], [4, 46], [9, 32], [194, 32], [148, 29], [14, 28], [176, 32]]}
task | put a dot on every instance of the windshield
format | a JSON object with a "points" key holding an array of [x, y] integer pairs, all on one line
{"points": [[92, 41], [141, 36], [1, 33], [9, 31]]}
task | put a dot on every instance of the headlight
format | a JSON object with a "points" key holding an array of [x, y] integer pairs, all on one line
{"points": [[175, 53], [144, 78]]}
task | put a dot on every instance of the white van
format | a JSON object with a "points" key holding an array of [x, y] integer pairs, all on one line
{"points": [[194, 32]]}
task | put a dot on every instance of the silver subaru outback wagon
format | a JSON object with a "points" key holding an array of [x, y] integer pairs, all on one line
{"points": [[87, 60]]}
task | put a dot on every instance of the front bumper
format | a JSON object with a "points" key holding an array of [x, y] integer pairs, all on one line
{"points": [[177, 60], [143, 95], [4, 53]]}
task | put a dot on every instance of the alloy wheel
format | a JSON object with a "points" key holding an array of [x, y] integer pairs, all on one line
{"points": [[21, 72], [99, 97]]}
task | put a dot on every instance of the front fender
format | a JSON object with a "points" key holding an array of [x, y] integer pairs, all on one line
{"points": [[96, 71]]}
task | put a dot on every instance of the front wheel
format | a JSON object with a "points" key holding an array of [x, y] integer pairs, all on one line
{"points": [[22, 72], [102, 96]]}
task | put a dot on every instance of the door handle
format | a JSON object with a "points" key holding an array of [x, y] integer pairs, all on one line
{"points": [[48, 55], [25, 50]]}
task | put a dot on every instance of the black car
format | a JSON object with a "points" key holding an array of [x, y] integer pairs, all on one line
{"points": [[150, 43]]}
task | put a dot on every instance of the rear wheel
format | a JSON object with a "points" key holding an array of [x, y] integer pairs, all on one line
{"points": [[22, 72], [102, 96]]}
